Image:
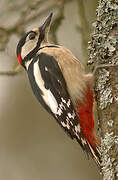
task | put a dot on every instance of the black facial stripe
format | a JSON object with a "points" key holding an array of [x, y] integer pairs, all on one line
{"points": [[49, 46], [22, 42], [34, 51]]}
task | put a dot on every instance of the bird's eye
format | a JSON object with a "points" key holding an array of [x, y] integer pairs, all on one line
{"points": [[32, 35]]}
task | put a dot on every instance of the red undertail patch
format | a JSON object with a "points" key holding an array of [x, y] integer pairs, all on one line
{"points": [[86, 119]]}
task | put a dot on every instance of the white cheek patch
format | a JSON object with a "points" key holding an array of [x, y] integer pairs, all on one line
{"points": [[28, 47]]}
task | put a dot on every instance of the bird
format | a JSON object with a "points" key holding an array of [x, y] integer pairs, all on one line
{"points": [[59, 82]]}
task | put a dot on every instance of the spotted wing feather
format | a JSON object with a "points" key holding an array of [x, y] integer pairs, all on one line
{"points": [[61, 106]]}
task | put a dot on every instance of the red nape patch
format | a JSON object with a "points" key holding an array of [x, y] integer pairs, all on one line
{"points": [[19, 58], [86, 118]]}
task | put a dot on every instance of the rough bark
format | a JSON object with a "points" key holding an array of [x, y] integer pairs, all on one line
{"points": [[103, 49]]}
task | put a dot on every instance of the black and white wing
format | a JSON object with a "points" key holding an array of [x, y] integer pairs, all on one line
{"points": [[50, 88]]}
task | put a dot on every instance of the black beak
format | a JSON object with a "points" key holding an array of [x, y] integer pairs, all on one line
{"points": [[46, 23]]}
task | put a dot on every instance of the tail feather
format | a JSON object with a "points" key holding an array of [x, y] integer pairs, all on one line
{"points": [[95, 154], [87, 124]]}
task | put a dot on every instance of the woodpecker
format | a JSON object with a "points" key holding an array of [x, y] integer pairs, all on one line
{"points": [[59, 82]]}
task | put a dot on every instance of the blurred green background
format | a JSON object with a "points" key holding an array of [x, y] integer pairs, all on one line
{"points": [[32, 145]]}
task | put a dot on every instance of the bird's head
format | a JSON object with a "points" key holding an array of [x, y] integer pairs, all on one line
{"points": [[30, 43]]}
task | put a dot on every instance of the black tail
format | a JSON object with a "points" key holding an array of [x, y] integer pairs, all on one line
{"points": [[95, 154]]}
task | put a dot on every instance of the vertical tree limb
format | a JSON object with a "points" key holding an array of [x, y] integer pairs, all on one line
{"points": [[103, 49], [84, 29]]}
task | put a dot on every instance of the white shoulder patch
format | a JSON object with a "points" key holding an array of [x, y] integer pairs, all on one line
{"points": [[40, 82], [27, 64], [47, 94], [52, 102]]}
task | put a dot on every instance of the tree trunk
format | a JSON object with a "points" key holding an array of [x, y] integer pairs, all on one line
{"points": [[103, 49]]}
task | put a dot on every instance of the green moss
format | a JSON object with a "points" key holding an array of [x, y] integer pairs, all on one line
{"points": [[103, 49], [107, 162], [103, 44], [110, 123], [105, 92]]}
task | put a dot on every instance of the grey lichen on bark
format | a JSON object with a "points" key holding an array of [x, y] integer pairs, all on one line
{"points": [[103, 49]]}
